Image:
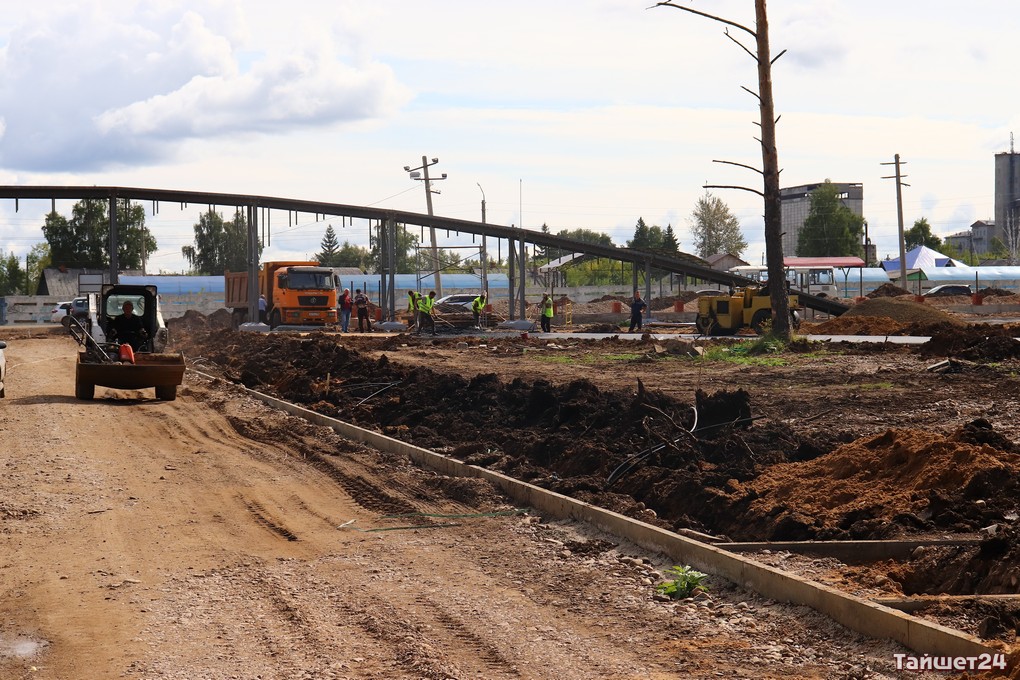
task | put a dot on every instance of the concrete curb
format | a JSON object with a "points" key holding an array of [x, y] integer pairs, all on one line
{"points": [[858, 614]]}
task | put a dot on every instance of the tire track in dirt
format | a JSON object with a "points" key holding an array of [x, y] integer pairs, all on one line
{"points": [[259, 514]]}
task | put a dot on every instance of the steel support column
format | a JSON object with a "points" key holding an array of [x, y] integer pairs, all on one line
{"points": [[114, 258], [253, 264]]}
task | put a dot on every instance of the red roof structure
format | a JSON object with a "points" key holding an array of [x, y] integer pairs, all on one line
{"points": [[839, 262]]}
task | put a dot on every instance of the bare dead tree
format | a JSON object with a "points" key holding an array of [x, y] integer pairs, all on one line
{"points": [[781, 326]]}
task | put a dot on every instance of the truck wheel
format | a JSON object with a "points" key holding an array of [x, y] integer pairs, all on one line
{"points": [[166, 392], [795, 319], [274, 318], [759, 321], [84, 391]]}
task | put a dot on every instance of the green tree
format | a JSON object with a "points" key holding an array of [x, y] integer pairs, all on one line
{"points": [[219, 246], [587, 236], [330, 248], [406, 245], [12, 276], [645, 237], [37, 260], [831, 229], [715, 228], [351, 255], [84, 239], [920, 235], [670, 243]]}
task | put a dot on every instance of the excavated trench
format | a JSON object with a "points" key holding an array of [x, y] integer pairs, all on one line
{"points": [[708, 466]]}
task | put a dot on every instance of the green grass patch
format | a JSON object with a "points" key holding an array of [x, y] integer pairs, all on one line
{"points": [[876, 386]]}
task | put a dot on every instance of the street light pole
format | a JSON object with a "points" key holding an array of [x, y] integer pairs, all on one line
{"points": [[428, 202]]}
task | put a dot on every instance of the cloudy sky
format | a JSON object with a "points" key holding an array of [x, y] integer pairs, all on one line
{"points": [[571, 114]]}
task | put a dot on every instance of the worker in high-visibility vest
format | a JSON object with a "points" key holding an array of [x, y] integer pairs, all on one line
{"points": [[425, 318], [412, 306], [547, 313], [477, 307]]}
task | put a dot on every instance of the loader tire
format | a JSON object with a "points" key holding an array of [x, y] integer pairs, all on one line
{"points": [[759, 320], [704, 325], [84, 391], [166, 392]]}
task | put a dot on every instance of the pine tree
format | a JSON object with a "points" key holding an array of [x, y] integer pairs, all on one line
{"points": [[330, 248], [670, 243], [715, 229]]}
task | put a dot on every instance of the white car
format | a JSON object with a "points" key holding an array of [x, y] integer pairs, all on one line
{"points": [[3, 368], [61, 310], [458, 300]]}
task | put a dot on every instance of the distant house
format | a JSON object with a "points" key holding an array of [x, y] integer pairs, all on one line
{"points": [[724, 261]]}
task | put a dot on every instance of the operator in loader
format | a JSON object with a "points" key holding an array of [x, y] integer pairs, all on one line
{"points": [[127, 328]]}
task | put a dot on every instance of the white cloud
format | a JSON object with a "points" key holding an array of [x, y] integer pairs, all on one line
{"points": [[90, 87]]}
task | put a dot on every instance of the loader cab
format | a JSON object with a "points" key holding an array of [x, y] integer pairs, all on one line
{"points": [[146, 305]]}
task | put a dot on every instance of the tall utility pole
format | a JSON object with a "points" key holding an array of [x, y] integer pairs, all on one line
{"points": [[899, 215], [424, 167]]}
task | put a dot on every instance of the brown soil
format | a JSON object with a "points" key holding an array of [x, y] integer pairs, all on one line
{"points": [[842, 441]]}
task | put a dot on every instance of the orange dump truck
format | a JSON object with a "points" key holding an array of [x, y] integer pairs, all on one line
{"points": [[297, 294]]}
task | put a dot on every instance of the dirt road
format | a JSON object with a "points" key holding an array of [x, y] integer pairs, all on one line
{"points": [[213, 538]]}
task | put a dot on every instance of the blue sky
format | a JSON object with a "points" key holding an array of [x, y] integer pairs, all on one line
{"points": [[573, 114]]}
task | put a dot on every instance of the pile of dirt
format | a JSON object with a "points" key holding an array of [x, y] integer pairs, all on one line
{"points": [[858, 325], [905, 311], [887, 290], [191, 321], [889, 316], [996, 292], [979, 342], [901, 481]]}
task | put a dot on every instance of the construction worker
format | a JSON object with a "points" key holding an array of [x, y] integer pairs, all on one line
{"points": [[637, 307], [547, 313], [425, 318], [412, 307], [477, 307]]}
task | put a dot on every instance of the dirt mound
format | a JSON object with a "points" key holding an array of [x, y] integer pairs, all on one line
{"points": [[996, 292], [858, 325], [887, 290], [979, 342], [219, 319], [889, 316], [904, 311], [190, 322], [881, 486]]}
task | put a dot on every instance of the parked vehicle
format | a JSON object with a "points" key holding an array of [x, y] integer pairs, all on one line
{"points": [[3, 369], [297, 294], [59, 311], [949, 289], [457, 300]]}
